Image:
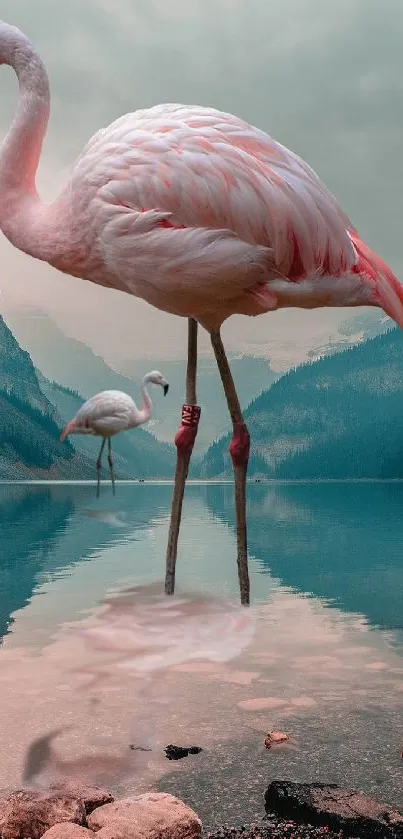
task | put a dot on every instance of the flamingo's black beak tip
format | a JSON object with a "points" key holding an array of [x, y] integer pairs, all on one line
{"points": [[166, 388]]}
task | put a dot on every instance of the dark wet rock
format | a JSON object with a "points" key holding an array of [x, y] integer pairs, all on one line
{"points": [[178, 752], [91, 796], [28, 815], [329, 805]]}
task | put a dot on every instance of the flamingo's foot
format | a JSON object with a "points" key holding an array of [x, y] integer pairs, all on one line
{"points": [[186, 436], [239, 446]]}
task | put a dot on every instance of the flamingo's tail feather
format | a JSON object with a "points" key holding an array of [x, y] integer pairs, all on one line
{"points": [[389, 291], [68, 429]]}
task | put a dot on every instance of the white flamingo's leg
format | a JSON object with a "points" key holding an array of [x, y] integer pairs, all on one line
{"points": [[110, 461], [184, 441], [99, 465], [239, 451]]}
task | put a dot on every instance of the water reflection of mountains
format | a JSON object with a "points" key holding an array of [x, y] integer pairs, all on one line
{"points": [[340, 542], [44, 531]]}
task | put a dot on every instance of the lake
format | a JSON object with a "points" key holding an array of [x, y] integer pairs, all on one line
{"points": [[319, 654]]}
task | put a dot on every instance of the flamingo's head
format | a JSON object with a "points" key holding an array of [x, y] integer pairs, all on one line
{"points": [[156, 378], [379, 285], [11, 42]]}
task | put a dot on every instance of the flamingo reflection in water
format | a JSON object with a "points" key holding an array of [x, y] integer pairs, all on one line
{"points": [[140, 633]]}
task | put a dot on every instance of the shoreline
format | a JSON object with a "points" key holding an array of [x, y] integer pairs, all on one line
{"points": [[200, 481], [71, 809]]}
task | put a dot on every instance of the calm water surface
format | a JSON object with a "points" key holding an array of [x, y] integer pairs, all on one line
{"points": [[321, 655]]}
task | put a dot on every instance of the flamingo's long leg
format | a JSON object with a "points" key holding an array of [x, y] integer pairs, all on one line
{"points": [[239, 451], [110, 461], [99, 465], [184, 442]]}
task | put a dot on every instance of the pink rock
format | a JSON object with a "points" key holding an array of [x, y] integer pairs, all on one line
{"points": [[275, 738], [68, 830], [30, 814], [92, 797], [147, 816]]}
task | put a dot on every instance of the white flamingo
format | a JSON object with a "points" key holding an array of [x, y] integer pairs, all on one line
{"points": [[110, 412], [200, 214]]}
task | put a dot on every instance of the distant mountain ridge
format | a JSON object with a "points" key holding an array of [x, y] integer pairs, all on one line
{"points": [[29, 423], [73, 364], [338, 417]]}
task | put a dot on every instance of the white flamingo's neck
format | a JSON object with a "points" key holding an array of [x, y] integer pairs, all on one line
{"points": [[22, 215], [144, 413]]}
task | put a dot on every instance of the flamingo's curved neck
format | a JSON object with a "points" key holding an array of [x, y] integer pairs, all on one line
{"points": [[22, 215], [144, 413]]}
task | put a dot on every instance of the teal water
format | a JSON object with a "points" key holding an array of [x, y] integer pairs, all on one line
{"points": [[325, 663]]}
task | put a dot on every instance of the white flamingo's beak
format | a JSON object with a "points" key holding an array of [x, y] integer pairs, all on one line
{"points": [[166, 388]]}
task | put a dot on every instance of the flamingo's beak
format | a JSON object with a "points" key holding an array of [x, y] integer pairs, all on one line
{"points": [[166, 388], [386, 291]]}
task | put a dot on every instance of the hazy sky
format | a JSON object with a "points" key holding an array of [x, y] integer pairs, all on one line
{"points": [[325, 77]]}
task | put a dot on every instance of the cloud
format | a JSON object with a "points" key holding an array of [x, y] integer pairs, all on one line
{"points": [[323, 78]]}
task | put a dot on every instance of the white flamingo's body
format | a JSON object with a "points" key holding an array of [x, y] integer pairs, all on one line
{"points": [[109, 413], [199, 214]]}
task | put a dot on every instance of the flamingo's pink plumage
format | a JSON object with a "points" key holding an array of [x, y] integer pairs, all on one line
{"points": [[204, 216], [194, 210]]}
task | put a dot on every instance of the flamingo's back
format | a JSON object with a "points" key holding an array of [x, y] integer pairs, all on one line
{"points": [[177, 196], [105, 414]]}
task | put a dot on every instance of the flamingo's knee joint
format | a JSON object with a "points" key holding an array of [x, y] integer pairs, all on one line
{"points": [[239, 446]]}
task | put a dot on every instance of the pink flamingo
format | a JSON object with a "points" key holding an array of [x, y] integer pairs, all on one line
{"points": [[199, 214]]}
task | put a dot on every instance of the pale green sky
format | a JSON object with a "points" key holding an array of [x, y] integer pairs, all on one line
{"points": [[323, 77]]}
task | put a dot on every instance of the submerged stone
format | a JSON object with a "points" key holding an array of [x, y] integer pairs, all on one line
{"points": [[178, 752]]}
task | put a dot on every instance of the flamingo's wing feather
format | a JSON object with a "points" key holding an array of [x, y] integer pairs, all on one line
{"points": [[197, 187], [110, 406]]}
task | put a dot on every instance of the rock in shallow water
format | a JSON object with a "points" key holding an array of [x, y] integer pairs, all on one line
{"points": [[178, 752], [275, 738], [91, 797], [337, 808], [147, 816]]}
